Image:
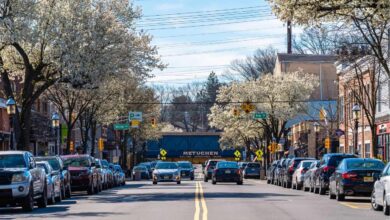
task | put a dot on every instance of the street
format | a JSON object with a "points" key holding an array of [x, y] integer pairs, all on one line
{"points": [[199, 200]]}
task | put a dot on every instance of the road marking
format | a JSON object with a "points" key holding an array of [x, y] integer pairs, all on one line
{"points": [[197, 206], [349, 205], [204, 206]]}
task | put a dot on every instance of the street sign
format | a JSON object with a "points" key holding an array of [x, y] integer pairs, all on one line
{"points": [[339, 132], [327, 143], [259, 115], [135, 123], [237, 153], [135, 116], [259, 154], [163, 154], [121, 126]]}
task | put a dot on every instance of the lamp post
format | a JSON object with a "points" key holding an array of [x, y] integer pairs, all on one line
{"points": [[316, 131], [55, 120], [11, 110], [356, 112]]}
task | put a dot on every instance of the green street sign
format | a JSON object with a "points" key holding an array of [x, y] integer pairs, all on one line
{"points": [[259, 115], [121, 127]]}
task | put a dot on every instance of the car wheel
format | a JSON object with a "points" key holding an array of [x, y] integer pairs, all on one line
{"points": [[90, 190], [68, 192], [321, 191], [59, 198], [42, 202], [386, 208], [178, 182], [340, 197], [192, 178], [375, 205], [63, 191], [331, 195], [28, 201], [239, 182], [298, 187], [52, 199], [154, 182], [205, 179], [214, 181]]}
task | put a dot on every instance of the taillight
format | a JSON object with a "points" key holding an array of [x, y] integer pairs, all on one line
{"points": [[291, 168], [327, 168], [349, 175], [238, 171]]}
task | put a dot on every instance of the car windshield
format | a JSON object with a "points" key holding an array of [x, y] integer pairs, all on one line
{"points": [[166, 166], [54, 163], [42, 166], [77, 162], [307, 164], [147, 165], [227, 165], [253, 165], [335, 160], [140, 168], [364, 164], [12, 161], [185, 165], [213, 162]]}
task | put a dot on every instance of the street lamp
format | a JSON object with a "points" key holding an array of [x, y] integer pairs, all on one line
{"points": [[55, 120], [316, 131], [356, 114], [11, 110]]}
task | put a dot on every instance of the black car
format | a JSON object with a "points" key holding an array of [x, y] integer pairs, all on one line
{"points": [[271, 172], [227, 171], [209, 168], [327, 166], [290, 169], [252, 170], [354, 177], [186, 170]]}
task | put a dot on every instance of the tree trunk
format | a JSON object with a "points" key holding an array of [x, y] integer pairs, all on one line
{"points": [[93, 137], [374, 142], [69, 137]]}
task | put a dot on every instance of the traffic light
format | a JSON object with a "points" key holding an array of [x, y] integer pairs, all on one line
{"points": [[71, 146], [153, 121], [236, 112], [101, 144]]}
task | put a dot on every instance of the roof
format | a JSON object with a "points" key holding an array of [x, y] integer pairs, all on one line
{"points": [[12, 152], [284, 57]]}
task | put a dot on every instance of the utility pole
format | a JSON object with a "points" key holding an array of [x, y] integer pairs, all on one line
{"points": [[289, 37]]}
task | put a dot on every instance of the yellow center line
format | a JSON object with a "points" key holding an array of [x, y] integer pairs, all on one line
{"points": [[204, 206], [349, 205], [197, 206]]}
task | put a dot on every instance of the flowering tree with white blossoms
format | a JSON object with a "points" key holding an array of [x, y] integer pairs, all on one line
{"points": [[280, 97]]}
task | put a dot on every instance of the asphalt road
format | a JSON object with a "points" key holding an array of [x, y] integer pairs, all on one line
{"points": [[198, 200]]}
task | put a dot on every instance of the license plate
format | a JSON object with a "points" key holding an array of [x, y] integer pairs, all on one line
{"points": [[368, 179], [183, 174], [253, 169], [166, 177], [227, 171]]}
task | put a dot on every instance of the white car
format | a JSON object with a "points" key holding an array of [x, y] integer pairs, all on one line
{"points": [[299, 173], [166, 172], [380, 197]]}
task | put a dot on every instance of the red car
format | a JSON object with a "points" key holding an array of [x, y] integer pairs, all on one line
{"points": [[84, 175]]}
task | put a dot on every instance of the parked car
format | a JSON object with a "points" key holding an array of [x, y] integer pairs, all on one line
{"points": [[380, 196], [299, 173], [354, 177], [21, 181], [186, 170], [277, 171], [101, 174], [115, 175], [140, 172], [327, 166], [58, 165], [166, 172], [290, 168], [283, 171], [109, 175], [121, 177], [308, 184], [252, 170], [209, 168], [84, 176], [271, 172], [148, 165], [227, 171], [53, 182]]}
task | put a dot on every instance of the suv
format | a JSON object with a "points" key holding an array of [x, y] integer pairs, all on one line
{"points": [[21, 181], [84, 176], [209, 168], [271, 172], [58, 165], [326, 168], [102, 178], [290, 169]]}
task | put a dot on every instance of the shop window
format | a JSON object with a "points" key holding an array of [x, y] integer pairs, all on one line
{"points": [[367, 149]]}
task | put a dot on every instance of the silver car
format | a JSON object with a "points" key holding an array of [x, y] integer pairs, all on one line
{"points": [[298, 176], [308, 184], [53, 181], [380, 197], [166, 172]]}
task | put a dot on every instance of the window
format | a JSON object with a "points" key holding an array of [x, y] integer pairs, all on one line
{"points": [[367, 149], [342, 108]]}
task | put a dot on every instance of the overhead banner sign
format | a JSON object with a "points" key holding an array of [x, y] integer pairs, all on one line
{"points": [[200, 153]]}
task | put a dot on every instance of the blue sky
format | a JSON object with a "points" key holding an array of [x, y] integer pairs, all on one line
{"points": [[196, 37]]}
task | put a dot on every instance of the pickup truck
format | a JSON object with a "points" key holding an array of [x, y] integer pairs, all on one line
{"points": [[21, 181]]}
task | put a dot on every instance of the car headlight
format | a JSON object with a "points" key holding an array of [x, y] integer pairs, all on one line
{"points": [[19, 177]]}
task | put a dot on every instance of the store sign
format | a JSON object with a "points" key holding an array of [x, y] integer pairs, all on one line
{"points": [[200, 153]]}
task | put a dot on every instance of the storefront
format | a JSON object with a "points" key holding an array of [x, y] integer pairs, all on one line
{"points": [[383, 131]]}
